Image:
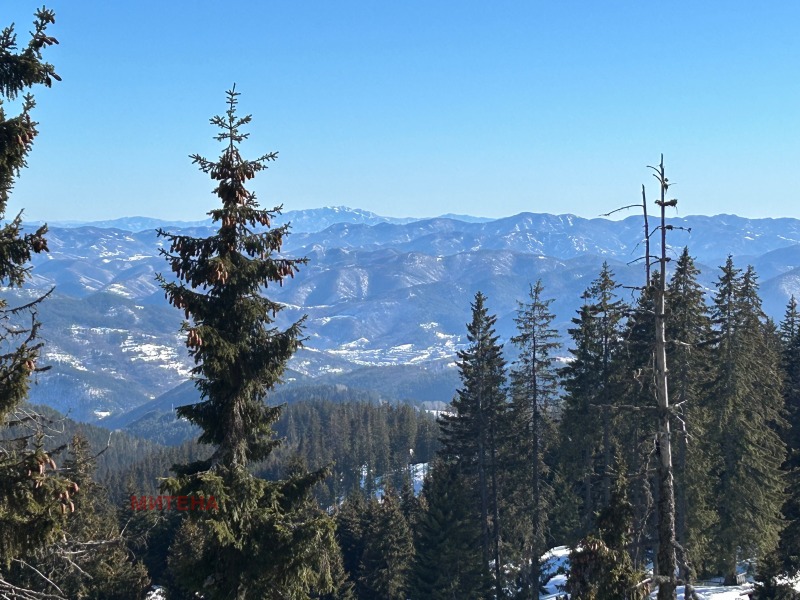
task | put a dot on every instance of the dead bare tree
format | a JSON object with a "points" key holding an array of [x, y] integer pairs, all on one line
{"points": [[667, 558], [667, 562]]}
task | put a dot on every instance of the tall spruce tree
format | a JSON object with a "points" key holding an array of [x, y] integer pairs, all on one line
{"points": [[777, 570], [534, 388], [634, 425], [473, 434], [261, 542], [32, 503], [746, 398], [696, 455], [789, 555], [589, 382]]}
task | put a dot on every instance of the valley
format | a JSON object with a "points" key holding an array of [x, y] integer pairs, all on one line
{"points": [[382, 295]]}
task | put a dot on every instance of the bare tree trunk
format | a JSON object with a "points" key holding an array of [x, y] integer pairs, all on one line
{"points": [[588, 505], [495, 514], [666, 496], [537, 501], [681, 506], [606, 455], [606, 416], [484, 495]]}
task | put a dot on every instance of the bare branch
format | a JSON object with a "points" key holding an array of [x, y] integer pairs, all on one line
{"points": [[37, 571], [9, 591], [608, 214]]}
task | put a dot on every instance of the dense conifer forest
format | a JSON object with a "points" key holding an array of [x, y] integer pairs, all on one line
{"points": [[547, 442]]}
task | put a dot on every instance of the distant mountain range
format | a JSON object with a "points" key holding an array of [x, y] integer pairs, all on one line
{"points": [[308, 220], [377, 291]]}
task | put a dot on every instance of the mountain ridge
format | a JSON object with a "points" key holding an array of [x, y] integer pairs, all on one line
{"points": [[376, 294]]}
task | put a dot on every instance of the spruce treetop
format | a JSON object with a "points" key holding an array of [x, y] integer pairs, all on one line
{"points": [[790, 326], [230, 326], [266, 538], [20, 70]]}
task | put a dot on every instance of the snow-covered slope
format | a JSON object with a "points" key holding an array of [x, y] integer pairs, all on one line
{"points": [[377, 291]]}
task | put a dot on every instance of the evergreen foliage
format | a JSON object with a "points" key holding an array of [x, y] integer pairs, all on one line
{"points": [[90, 560], [635, 427], [771, 581], [534, 388], [32, 504], [388, 551], [601, 568], [696, 454], [239, 353], [359, 440], [448, 561], [746, 398], [22, 69], [473, 434], [351, 523], [789, 548], [377, 545], [589, 385], [263, 541]]}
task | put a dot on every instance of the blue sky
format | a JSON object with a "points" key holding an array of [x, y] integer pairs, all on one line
{"points": [[420, 108]]}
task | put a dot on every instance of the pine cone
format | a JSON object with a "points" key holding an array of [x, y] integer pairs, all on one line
{"points": [[39, 244]]}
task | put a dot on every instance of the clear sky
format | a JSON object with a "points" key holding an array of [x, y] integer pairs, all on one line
{"points": [[419, 108]]}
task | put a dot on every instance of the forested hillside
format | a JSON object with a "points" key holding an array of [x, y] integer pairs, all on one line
{"points": [[382, 316]]}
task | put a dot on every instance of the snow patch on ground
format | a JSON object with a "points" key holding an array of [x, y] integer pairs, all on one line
{"points": [[156, 593], [397, 355], [555, 565], [418, 472], [119, 290], [145, 351], [52, 354]]}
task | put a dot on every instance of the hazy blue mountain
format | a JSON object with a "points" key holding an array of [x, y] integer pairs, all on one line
{"points": [[312, 219], [317, 219], [131, 223], [467, 218], [306, 220], [377, 292]]}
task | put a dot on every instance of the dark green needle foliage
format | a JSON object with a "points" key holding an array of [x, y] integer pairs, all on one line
{"points": [[601, 568], [587, 424], [691, 369], [448, 560], [388, 551], [747, 403], [789, 548], [230, 330], [90, 560], [263, 542], [20, 69], [534, 389], [31, 508], [351, 524], [474, 432]]}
